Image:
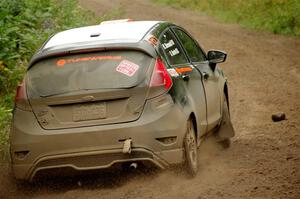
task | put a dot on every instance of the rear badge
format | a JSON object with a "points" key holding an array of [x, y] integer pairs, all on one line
{"points": [[173, 72], [127, 67]]}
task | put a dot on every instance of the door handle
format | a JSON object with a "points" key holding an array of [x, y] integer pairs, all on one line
{"points": [[205, 75]]}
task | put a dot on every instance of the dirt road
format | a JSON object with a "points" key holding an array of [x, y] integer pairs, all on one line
{"points": [[264, 159]]}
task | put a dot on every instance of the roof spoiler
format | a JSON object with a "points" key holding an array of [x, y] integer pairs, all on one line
{"points": [[143, 46]]}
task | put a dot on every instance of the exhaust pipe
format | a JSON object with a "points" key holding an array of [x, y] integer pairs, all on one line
{"points": [[133, 166]]}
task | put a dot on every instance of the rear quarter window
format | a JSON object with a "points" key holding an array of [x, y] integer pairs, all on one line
{"points": [[171, 49]]}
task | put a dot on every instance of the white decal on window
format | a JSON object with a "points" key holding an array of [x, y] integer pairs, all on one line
{"points": [[174, 52], [169, 44]]}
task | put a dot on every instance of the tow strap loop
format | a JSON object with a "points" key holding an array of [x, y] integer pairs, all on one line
{"points": [[127, 146]]}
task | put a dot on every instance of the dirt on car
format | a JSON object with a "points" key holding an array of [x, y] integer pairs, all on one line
{"points": [[263, 161]]}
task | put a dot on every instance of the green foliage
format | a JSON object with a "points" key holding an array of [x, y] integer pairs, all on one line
{"points": [[24, 26], [5, 116], [277, 16]]}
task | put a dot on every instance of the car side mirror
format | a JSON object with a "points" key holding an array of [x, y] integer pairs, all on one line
{"points": [[216, 56]]}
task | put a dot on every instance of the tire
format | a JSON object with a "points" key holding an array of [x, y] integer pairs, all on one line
{"points": [[190, 148]]}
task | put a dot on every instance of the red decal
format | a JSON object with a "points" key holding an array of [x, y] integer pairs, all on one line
{"points": [[62, 62], [183, 70], [153, 40], [128, 68]]}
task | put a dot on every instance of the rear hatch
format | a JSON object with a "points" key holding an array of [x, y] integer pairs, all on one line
{"points": [[89, 89]]}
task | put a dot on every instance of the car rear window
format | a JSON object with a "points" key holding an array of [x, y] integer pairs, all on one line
{"points": [[89, 71]]}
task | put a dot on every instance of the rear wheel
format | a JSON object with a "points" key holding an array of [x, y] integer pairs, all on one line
{"points": [[190, 146]]}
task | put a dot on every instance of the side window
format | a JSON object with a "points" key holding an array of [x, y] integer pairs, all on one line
{"points": [[191, 47], [171, 49]]}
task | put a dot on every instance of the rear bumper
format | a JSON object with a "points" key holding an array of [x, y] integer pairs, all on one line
{"points": [[92, 160], [34, 149]]}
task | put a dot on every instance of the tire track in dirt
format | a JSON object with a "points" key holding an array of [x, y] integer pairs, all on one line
{"points": [[264, 160]]}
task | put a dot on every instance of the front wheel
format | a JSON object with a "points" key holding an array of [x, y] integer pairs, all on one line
{"points": [[190, 147]]}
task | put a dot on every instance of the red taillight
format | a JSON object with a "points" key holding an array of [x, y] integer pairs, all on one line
{"points": [[21, 93], [21, 100], [160, 81], [160, 76]]}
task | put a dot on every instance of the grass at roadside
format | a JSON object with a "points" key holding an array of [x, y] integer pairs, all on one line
{"points": [[5, 117], [24, 26], [277, 16]]}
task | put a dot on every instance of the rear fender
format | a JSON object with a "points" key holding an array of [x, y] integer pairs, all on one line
{"points": [[188, 110]]}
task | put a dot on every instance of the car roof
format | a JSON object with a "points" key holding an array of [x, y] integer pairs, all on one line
{"points": [[128, 31]]}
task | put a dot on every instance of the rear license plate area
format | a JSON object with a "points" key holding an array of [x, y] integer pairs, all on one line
{"points": [[90, 111]]}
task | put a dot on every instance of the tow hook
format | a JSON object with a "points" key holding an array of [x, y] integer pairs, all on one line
{"points": [[127, 146]]}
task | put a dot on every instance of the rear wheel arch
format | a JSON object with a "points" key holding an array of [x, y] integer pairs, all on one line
{"points": [[190, 114]]}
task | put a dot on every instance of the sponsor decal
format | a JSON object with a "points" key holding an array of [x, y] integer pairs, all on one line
{"points": [[168, 44], [174, 52], [127, 68], [152, 40], [63, 62], [183, 70], [173, 72]]}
